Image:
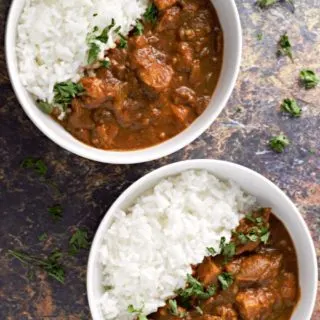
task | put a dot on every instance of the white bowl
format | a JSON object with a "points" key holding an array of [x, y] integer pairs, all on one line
{"points": [[267, 194], [230, 23]]}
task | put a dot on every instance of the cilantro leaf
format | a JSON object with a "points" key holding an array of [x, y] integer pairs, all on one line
{"points": [[35, 164], [79, 240], [279, 143], [139, 28], [226, 280], [174, 310], [285, 47], [212, 251], [309, 78], [291, 106], [55, 212], [93, 53], [151, 13]]}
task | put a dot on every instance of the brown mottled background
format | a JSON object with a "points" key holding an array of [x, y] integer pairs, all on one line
{"points": [[240, 135]]}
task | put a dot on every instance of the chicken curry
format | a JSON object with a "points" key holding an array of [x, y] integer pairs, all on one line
{"points": [[255, 277], [156, 82]]}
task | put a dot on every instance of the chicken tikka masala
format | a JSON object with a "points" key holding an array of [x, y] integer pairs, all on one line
{"points": [[255, 277], [155, 83]]}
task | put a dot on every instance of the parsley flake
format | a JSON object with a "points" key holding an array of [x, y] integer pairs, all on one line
{"points": [[291, 106], [309, 78], [285, 48], [226, 280], [279, 143], [78, 241]]}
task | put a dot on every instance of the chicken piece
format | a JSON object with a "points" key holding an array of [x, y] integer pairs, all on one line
{"points": [[226, 312], [184, 58], [104, 135], [259, 268], [164, 313], [164, 4], [207, 317], [208, 272], [169, 20], [157, 77], [97, 91], [80, 118], [145, 57], [184, 95], [288, 289], [256, 304], [183, 114]]}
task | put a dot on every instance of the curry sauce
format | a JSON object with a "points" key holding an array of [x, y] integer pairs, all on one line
{"points": [[255, 277], [157, 83]]}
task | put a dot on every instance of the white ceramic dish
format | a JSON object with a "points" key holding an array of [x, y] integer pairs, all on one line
{"points": [[230, 22], [267, 194]]}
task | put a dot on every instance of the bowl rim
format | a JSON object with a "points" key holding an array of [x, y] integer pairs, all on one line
{"points": [[181, 166], [163, 149]]}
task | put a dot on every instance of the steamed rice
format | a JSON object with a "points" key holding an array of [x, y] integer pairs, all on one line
{"points": [[52, 38], [149, 248]]}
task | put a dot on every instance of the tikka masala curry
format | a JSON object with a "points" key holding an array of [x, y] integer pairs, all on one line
{"points": [[156, 82], [255, 277]]}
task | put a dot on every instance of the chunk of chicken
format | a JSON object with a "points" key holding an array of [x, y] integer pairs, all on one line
{"points": [[157, 77], [183, 114], [184, 58], [184, 95], [80, 117], [164, 4], [169, 20], [258, 268], [208, 272], [104, 135], [226, 312], [145, 57], [256, 304]]}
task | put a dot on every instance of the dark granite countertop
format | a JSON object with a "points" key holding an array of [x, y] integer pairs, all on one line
{"points": [[88, 189]]}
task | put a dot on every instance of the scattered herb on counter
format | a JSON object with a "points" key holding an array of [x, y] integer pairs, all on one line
{"points": [[195, 288], [309, 78], [151, 13], [140, 316], [212, 251], [259, 36], [78, 241], [291, 106], [35, 164], [174, 309], [279, 143], [43, 237], [285, 48], [266, 3], [226, 280], [51, 264], [138, 30], [55, 212]]}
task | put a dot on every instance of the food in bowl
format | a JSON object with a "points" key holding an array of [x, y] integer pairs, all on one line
{"points": [[133, 92], [196, 247]]}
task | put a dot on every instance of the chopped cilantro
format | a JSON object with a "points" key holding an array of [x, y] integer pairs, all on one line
{"points": [[93, 53], [174, 310], [285, 48], [309, 78], [226, 280], [279, 143], [151, 13], [79, 240], [35, 164], [138, 30], [55, 212], [291, 106], [211, 251], [43, 237]]}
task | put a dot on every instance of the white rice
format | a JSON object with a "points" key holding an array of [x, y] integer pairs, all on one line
{"points": [[52, 38], [149, 248]]}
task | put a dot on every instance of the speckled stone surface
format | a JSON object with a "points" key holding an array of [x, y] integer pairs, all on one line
{"points": [[88, 189]]}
